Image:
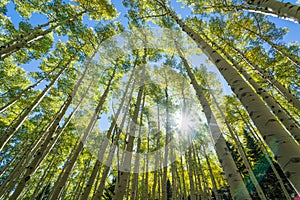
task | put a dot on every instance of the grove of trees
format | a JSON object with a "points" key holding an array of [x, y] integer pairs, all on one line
{"points": [[149, 101]]}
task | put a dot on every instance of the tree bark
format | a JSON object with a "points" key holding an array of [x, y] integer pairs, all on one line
{"points": [[14, 46], [15, 127], [290, 125], [214, 184], [280, 8], [291, 98], [198, 174], [145, 189], [235, 8], [168, 138], [125, 167], [237, 187], [12, 102], [183, 178], [134, 185], [63, 179], [190, 171], [157, 156], [241, 151], [282, 145]]}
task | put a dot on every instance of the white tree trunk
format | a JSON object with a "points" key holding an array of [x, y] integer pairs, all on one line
{"points": [[281, 9], [291, 98], [15, 127], [241, 151], [190, 172], [290, 125], [63, 179], [276, 47], [37, 34], [278, 139], [237, 187], [125, 171]]}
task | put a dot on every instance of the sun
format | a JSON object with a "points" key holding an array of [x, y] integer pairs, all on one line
{"points": [[183, 121]]}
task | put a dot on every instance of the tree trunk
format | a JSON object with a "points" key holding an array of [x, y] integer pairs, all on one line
{"points": [[166, 156], [99, 190], [291, 98], [241, 151], [42, 179], [104, 145], [183, 178], [276, 109], [237, 187], [198, 173], [174, 176], [21, 166], [15, 127], [282, 145], [82, 179], [190, 171], [157, 156], [134, 185], [146, 181], [214, 184], [49, 142], [205, 185], [125, 167], [273, 45], [14, 158], [12, 47], [234, 8], [280, 8], [266, 154], [17, 98], [63, 179]]}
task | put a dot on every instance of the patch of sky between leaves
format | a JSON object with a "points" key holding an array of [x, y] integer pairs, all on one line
{"points": [[36, 19]]}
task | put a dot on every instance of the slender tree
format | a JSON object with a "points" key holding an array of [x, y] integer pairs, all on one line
{"points": [[238, 188], [280, 8], [258, 111]]}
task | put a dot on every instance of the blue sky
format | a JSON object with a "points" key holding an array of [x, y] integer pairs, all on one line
{"points": [[293, 34], [35, 19]]}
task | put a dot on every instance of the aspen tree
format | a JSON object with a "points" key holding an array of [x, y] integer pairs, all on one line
{"points": [[280, 8], [124, 175], [237, 187], [288, 154], [15, 127], [63, 179]]}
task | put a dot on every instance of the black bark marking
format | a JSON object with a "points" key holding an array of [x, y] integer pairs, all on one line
{"points": [[295, 159], [27, 178], [243, 94], [288, 174], [251, 113]]}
